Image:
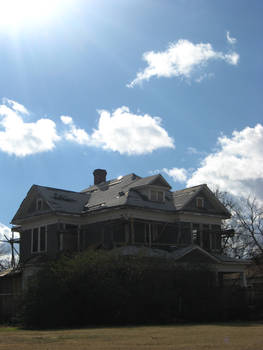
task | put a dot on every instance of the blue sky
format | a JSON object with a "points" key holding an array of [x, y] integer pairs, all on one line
{"points": [[169, 86]]}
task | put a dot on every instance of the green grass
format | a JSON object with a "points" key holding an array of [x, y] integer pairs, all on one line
{"points": [[180, 337]]}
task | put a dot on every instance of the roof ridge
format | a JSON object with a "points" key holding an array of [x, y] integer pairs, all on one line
{"points": [[56, 189], [189, 188]]}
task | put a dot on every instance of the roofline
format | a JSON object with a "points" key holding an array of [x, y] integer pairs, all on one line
{"points": [[183, 211], [154, 178], [204, 186], [194, 247], [55, 213]]}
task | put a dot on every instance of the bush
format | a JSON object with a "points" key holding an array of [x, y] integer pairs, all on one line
{"points": [[100, 288]]}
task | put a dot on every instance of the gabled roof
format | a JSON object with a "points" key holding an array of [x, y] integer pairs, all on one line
{"points": [[63, 200], [157, 180], [124, 191], [183, 254], [55, 200], [186, 252], [184, 197]]}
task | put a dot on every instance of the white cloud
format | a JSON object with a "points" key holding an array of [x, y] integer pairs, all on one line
{"points": [[66, 119], [180, 60], [75, 134], [193, 150], [15, 106], [236, 166], [123, 132], [4, 230], [204, 76], [23, 138], [229, 39], [177, 174], [232, 58]]}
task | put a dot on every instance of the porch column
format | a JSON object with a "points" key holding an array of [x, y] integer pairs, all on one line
{"points": [[132, 231], [243, 279], [78, 238]]}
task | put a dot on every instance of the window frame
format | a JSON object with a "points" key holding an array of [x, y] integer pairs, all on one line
{"points": [[199, 200], [38, 240], [156, 197], [39, 204]]}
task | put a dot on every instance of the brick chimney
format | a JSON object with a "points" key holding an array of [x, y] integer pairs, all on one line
{"points": [[99, 176]]}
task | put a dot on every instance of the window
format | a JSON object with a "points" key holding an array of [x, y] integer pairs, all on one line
{"points": [[157, 196], [199, 202], [39, 239], [39, 204]]}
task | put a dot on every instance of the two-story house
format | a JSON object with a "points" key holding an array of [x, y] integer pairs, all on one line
{"points": [[127, 212]]}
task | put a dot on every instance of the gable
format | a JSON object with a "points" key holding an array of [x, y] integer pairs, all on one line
{"points": [[204, 201], [33, 204], [198, 256], [160, 182]]}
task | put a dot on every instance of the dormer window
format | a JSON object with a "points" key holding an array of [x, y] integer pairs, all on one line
{"points": [[199, 202], [39, 204], [156, 196]]}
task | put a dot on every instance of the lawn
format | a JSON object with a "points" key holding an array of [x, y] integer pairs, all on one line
{"points": [[183, 337]]}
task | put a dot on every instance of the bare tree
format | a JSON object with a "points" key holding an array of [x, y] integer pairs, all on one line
{"points": [[5, 260], [247, 222]]}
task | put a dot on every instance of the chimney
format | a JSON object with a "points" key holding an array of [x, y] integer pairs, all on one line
{"points": [[99, 176]]}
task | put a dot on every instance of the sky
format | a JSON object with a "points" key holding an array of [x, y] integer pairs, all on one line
{"points": [[155, 86]]}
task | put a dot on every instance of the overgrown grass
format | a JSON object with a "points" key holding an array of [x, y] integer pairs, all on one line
{"points": [[180, 337]]}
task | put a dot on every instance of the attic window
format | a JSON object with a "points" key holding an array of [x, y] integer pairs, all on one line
{"points": [[156, 196], [39, 204], [199, 202]]}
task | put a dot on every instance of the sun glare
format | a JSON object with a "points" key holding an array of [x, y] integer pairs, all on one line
{"points": [[17, 13]]}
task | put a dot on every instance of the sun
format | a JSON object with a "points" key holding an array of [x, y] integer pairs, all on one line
{"points": [[17, 13]]}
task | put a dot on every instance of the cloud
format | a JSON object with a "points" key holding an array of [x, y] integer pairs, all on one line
{"points": [[75, 134], [123, 132], [120, 131], [15, 106], [23, 138], [180, 59], [66, 119], [193, 150], [230, 40], [177, 174], [236, 166]]}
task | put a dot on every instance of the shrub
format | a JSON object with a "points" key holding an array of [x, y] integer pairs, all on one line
{"points": [[100, 288]]}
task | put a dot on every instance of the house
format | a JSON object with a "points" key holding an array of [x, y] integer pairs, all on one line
{"points": [[130, 214]]}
